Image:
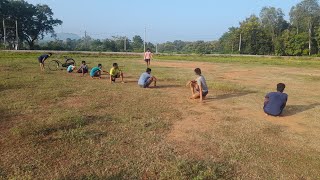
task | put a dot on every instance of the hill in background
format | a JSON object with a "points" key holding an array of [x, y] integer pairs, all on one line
{"points": [[62, 36]]}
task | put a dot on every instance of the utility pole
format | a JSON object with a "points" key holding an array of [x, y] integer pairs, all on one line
{"points": [[240, 42], [145, 38], [4, 34], [86, 40], [156, 48], [310, 26], [17, 36], [125, 44]]}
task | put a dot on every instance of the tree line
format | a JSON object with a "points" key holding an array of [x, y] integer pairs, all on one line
{"points": [[271, 34], [267, 34], [23, 24]]}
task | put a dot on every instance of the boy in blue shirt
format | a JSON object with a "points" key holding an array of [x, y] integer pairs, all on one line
{"points": [[70, 68], [96, 71], [275, 102], [146, 79]]}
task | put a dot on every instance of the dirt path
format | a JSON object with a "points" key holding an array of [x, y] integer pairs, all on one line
{"points": [[199, 119]]}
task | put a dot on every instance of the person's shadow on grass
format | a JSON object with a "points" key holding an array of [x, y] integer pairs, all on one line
{"points": [[291, 110], [230, 95]]}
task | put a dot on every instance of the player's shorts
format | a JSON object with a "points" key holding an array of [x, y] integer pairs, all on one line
{"points": [[84, 71], [204, 93], [147, 84], [116, 76], [147, 60]]}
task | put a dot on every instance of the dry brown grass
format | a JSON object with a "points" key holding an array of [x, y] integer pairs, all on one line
{"points": [[59, 126]]}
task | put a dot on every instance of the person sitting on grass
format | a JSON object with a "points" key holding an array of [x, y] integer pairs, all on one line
{"points": [[96, 71], [42, 58], [199, 88], [115, 73], [146, 79], [71, 67], [83, 68], [275, 102]]}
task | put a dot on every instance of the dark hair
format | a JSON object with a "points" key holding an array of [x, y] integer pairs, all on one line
{"points": [[99, 65], [197, 71], [83, 62], [281, 87], [148, 70], [148, 49], [50, 54], [115, 64]]}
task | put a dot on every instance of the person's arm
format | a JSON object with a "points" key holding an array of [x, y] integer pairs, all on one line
{"points": [[200, 91], [266, 99], [284, 103], [151, 56], [110, 78]]}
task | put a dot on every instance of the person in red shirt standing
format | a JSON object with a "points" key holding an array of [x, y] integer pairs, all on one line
{"points": [[148, 57]]}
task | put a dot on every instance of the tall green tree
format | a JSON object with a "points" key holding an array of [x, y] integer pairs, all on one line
{"points": [[230, 40], [305, 16], [137, 43], [34, 21], [273, 22], [254, 38]]}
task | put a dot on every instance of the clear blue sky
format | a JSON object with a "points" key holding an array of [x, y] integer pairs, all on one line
{"points": [[166, 20]]}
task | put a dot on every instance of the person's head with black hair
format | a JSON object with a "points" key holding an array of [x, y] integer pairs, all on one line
{"points": [[198, 71], [281, 87], [50, 54], [148, 70], [83, 62], [115, 65], [100, 65], [148, 50]]}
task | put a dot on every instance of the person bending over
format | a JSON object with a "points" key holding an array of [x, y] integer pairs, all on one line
{"points": [[146, 79], [275, 102], [83, 68], [115, 73], [199, 88], [42, 58], [96, 71]]}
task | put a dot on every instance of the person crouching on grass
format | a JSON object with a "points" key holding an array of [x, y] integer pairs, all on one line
{"points": [[83, 68], [115, 73], [199, 88], [275, 102], [146, 79], [96, 72], [71, 67]]}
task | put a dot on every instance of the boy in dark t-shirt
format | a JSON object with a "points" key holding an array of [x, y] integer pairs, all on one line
{"points": [[83, 68], [42, 58], [275, 102]]}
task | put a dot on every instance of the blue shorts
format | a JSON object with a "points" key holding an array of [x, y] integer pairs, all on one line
{"points": [[146, 84], [204, 93]]}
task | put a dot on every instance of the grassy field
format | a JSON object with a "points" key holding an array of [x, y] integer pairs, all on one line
{"points": [[55, 125]]}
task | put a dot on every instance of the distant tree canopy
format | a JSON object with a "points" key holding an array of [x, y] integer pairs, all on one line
{"points": [[34, 21], [267, 34], [271, 34]]}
